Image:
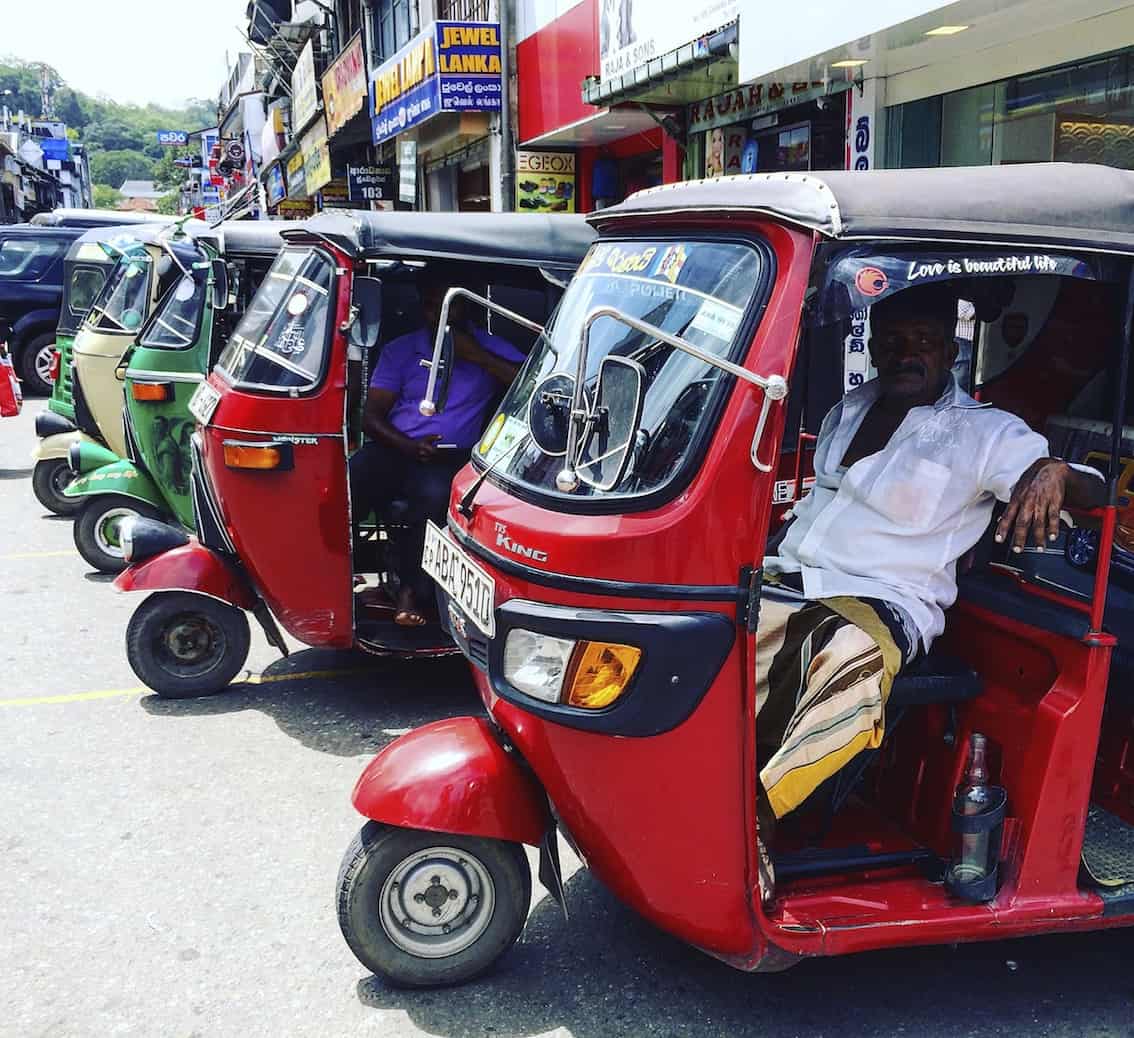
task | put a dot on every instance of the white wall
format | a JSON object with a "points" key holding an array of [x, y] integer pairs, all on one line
{"points": [[533, 15]]}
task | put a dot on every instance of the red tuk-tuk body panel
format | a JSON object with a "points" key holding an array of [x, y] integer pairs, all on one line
{"points": [[700, 541], [190, 567], [289, 521], [486, 790]]}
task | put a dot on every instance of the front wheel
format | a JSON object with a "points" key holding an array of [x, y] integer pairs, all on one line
{"points": [[49, 479], [184, 645], [426, 909], [98, 529]]}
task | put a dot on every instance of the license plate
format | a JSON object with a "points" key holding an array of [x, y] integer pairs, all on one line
{"points": [[203, 403], [469, 587]]}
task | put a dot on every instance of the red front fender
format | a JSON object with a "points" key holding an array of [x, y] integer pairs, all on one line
{"points": [[189, 567], [453, 776]]}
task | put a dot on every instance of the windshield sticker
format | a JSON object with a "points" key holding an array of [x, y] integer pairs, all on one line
{"points": [[857, 367], [716, 319], [502, 436], [867, 279], [290, 339], [670, 264], [297, 304], [615, 260]]}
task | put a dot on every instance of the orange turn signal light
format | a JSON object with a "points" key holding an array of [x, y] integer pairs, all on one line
{"points": [[600, 673], [257, 455], [151, 391]]}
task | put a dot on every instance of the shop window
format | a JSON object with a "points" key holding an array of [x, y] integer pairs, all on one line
{"points": [[1073, 113], [463, 10], [390, 28]]}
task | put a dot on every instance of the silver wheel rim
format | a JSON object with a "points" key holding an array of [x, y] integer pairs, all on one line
{"points": [[437, 902], [43, 358], [107, 527]]}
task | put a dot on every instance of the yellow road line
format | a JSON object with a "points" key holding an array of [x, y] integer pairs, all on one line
{"points": [[114, 693], [37, 554]]}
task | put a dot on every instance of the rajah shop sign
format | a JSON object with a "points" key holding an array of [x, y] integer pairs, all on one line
{"points": [[449, 67]]}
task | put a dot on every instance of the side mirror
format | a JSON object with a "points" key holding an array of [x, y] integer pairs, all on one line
{"points": [[615, 417], [549, 414], [366, 294], [218, 270]]}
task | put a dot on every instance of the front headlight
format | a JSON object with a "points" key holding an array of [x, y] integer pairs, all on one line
{"points": [[586, 674], [536, 664]]}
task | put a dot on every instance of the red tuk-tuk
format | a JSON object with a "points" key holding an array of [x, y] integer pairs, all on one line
{"points": [[603, 574], [276, 419]]}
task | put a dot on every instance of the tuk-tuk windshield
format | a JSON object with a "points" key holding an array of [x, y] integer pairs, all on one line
{"points": [[698, 290], [175, 322], [280, 341], [121, 305]]}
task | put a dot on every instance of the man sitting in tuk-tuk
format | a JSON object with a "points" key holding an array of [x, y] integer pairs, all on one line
{"points": [[414, 457], [908, 468]]}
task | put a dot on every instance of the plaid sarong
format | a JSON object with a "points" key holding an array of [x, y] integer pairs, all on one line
{"points": [[823, 672]]}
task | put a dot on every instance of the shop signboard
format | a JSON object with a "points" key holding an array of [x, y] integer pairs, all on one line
{"points": [[172, 138], [335, 194], [316, 157], [828, 24], [632, 34], [296, 181], [274, 185], [449, 67], [407, 171], [295, 209], [753, 100], [304, 101], [344, 86], [545, 181], [370, 183], [56, 149]]}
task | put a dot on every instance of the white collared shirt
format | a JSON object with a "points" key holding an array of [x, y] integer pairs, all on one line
{"points": [[893, 524]]}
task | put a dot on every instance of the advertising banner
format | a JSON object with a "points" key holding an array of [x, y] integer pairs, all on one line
{"points": [[449, 67], [172, 138], [370, 183], [631, 34], [296, 181], [304, 100], [344, 86], [545, 181], [274, 185], [316, 157]]}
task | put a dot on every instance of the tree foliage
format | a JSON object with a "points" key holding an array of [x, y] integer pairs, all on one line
{"points": [[170, 204], [113, 167], [107, 128], [106, 197]]}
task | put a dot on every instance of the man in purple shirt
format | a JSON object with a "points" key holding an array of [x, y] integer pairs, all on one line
{"points": [[414, 457]]}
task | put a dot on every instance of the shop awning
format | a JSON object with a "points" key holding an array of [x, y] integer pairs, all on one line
{"points": [[607, 124]]}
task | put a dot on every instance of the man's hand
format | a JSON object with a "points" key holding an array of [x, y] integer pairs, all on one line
{"points": [[423, 449], [1038, 498]]}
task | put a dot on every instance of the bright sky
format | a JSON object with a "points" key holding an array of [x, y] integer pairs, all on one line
{"points": [[134, 51]]}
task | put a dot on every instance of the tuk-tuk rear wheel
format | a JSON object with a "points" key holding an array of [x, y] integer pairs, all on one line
{"points": [[49, 479], [426, 909], [184, 645]]}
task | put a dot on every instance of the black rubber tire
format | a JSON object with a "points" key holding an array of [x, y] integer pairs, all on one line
{"points": [[375, 852], [49, 477], [33, 385], [90, 516], [149, 655]]}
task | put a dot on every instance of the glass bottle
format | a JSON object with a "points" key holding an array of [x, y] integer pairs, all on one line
{"points": [[974, 797]]}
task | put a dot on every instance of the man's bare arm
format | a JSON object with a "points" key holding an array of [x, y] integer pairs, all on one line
{"points": [[1037, 498]]}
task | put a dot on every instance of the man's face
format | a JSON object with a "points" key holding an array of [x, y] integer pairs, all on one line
{"points": [[432, 298], [913, 356]]}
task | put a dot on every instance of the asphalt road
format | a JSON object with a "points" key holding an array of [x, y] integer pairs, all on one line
{"points": [[169, 868]]}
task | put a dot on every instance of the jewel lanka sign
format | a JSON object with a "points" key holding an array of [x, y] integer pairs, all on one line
{"points": [[450, 67]]}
